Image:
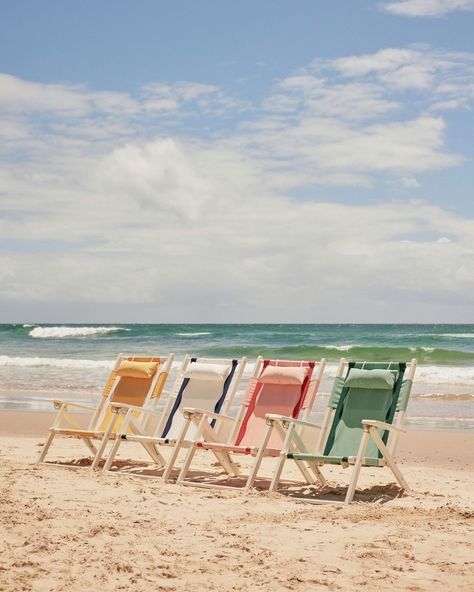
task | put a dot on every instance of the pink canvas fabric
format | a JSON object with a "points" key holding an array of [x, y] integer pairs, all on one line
{"points": [[282, 399], [284, 375]]}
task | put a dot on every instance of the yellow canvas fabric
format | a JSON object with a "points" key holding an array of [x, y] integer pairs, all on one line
{"points": [[132, 391], [135, 369], [160, 383]]}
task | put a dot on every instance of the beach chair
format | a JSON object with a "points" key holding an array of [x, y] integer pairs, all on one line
{"points": [[277, 386], [208, 384], [363, 419], [134, 380]]}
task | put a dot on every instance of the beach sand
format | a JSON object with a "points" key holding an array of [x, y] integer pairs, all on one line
{"points": [[65, 528]]}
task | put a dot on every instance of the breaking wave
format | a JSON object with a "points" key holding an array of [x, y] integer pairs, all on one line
{"points": [[196, 334], [461, 335], [62, 332]]}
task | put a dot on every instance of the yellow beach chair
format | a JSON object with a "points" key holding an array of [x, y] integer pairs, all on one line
{"points": [[134, 380]]}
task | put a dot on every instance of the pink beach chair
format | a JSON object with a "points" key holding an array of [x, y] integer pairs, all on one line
{"points": [[280, 387]]}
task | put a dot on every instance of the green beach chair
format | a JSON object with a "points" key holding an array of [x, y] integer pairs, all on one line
{"points": [[363, 419]]}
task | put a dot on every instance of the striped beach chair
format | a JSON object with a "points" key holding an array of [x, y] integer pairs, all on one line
{"points": [[136, 381], [203, 383], [363, 419], [277, 386]]}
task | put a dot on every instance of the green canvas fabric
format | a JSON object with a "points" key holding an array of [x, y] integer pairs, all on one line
{"points": [[370, 379], [356, 404], [336, 392], [360, 404], [404, 395]]}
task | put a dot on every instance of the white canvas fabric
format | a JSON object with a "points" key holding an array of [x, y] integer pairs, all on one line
{"points": [[198, 394], [208, 372]]}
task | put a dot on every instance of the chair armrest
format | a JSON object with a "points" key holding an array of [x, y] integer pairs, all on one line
{"points": [[373, 423], [284, 419], [119, 408], [58, 403], [189, 412]]}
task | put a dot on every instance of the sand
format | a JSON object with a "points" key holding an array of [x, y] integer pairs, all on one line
{"points": [[65, 528]]}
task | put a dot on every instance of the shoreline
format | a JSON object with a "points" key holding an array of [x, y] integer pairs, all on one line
{"points": [[436, 448]]}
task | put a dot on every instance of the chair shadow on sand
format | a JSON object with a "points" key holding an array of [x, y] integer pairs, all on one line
{"points": [[379, 494]]}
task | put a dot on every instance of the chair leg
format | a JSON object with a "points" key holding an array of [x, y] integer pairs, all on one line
{"points": [[100, 452], [282, 459], [155, 455], [277, 473], [46, 447], [258, 459], [357, 467], [187, 463], [172, 460], [317, 472], [225, 461], [389, 459], [104, 442], [177, 447], [306, 474], [91, 446], [112, 454]]}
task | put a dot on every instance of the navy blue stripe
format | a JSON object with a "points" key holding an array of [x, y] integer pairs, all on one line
{"points": [[227, 382], [176, 404]]}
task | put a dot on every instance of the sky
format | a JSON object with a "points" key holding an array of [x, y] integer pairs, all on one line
{"points": [[220, 161]]}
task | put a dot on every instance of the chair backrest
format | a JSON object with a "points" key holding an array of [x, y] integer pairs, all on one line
{"points": [[283, 399], [131, 390], [212, 388], [367, 400]]}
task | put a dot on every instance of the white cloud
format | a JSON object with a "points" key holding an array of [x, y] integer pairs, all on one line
{"points": [[342, 121], [17, 95], [327, 147], [409, 182], [110, 198], [193, 230], [419, 67], [427, 7]]}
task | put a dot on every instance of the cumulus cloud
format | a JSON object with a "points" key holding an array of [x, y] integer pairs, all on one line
{"points": [[113, 200], [193, 231], [340, 122], [427, 7]]}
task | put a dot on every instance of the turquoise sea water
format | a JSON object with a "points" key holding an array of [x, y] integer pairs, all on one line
{"points": [[39, 360]]}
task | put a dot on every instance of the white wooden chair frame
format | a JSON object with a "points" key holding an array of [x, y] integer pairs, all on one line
{"points": [[138, 421], [370, 431], [206, 433], [150, 441]]}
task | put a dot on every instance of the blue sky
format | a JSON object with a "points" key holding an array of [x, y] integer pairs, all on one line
{"points": [[262, 160]]}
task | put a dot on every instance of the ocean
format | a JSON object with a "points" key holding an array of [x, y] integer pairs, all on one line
{"points": [[38, 362]]}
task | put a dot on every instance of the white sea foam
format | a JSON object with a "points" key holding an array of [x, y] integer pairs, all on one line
{"points": [[461, 335], [54, 362], [445, 375], [26, 325], [61, 332], [426, 349], [339, 347], [196, 334]]}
